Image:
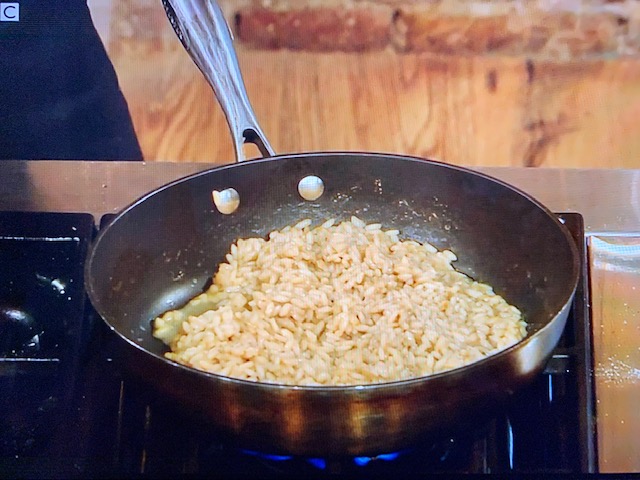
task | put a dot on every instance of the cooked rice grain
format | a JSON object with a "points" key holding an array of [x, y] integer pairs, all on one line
{"points": [[338, 305]]}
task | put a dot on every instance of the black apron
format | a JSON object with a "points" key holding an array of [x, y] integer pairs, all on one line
{"points": [[59, 94]]}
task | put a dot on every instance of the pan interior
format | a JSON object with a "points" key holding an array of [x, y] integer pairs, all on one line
{"points": [[164, 249]]}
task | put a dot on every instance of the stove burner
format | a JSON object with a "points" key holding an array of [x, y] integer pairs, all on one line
{"points": [[19, 332]]}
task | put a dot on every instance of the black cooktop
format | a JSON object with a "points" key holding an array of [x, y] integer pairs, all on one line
{"points": [[68, 411]]}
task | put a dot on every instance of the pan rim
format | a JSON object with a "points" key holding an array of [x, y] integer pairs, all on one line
{"points": [[351, 388]]}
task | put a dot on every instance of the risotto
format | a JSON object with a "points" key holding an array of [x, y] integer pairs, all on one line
{"points": [[338, 304]]}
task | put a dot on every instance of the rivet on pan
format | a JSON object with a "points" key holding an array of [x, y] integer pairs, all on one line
{"points": [[227, 201], [311, 187]]}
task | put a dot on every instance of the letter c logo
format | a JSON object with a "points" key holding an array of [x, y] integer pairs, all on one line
{"points": [[9, 12]]}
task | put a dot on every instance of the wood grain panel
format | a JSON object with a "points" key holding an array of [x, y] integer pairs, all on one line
{"points": [[469, 110], [473, 111]]}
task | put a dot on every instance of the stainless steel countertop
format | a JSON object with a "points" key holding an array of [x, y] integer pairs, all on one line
{"points": [[609, 201]]}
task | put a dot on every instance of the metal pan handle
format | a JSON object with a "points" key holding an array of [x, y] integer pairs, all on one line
{"points": [[205, 34]]}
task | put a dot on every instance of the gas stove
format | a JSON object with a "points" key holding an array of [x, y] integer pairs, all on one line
{"points": [[69, 411]]}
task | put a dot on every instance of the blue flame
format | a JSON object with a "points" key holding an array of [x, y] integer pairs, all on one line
{"points": [[275, 458], [387, 457], [319, 463]]}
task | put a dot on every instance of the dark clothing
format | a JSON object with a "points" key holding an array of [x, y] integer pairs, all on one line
{"points": [[59, 94]]}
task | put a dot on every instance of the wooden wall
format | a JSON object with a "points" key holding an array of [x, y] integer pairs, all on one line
{"points": [[517, 109]]}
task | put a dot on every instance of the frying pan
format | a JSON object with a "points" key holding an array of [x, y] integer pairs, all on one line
{"points": [[164, 248]]}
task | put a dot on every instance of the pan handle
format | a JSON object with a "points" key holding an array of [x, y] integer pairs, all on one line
{"points": [[205, 34]]}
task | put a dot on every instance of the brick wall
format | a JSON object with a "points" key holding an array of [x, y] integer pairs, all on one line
{"points": [[556, 29]]}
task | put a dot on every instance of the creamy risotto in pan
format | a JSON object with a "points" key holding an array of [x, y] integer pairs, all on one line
{"points": [[338, 304]]}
